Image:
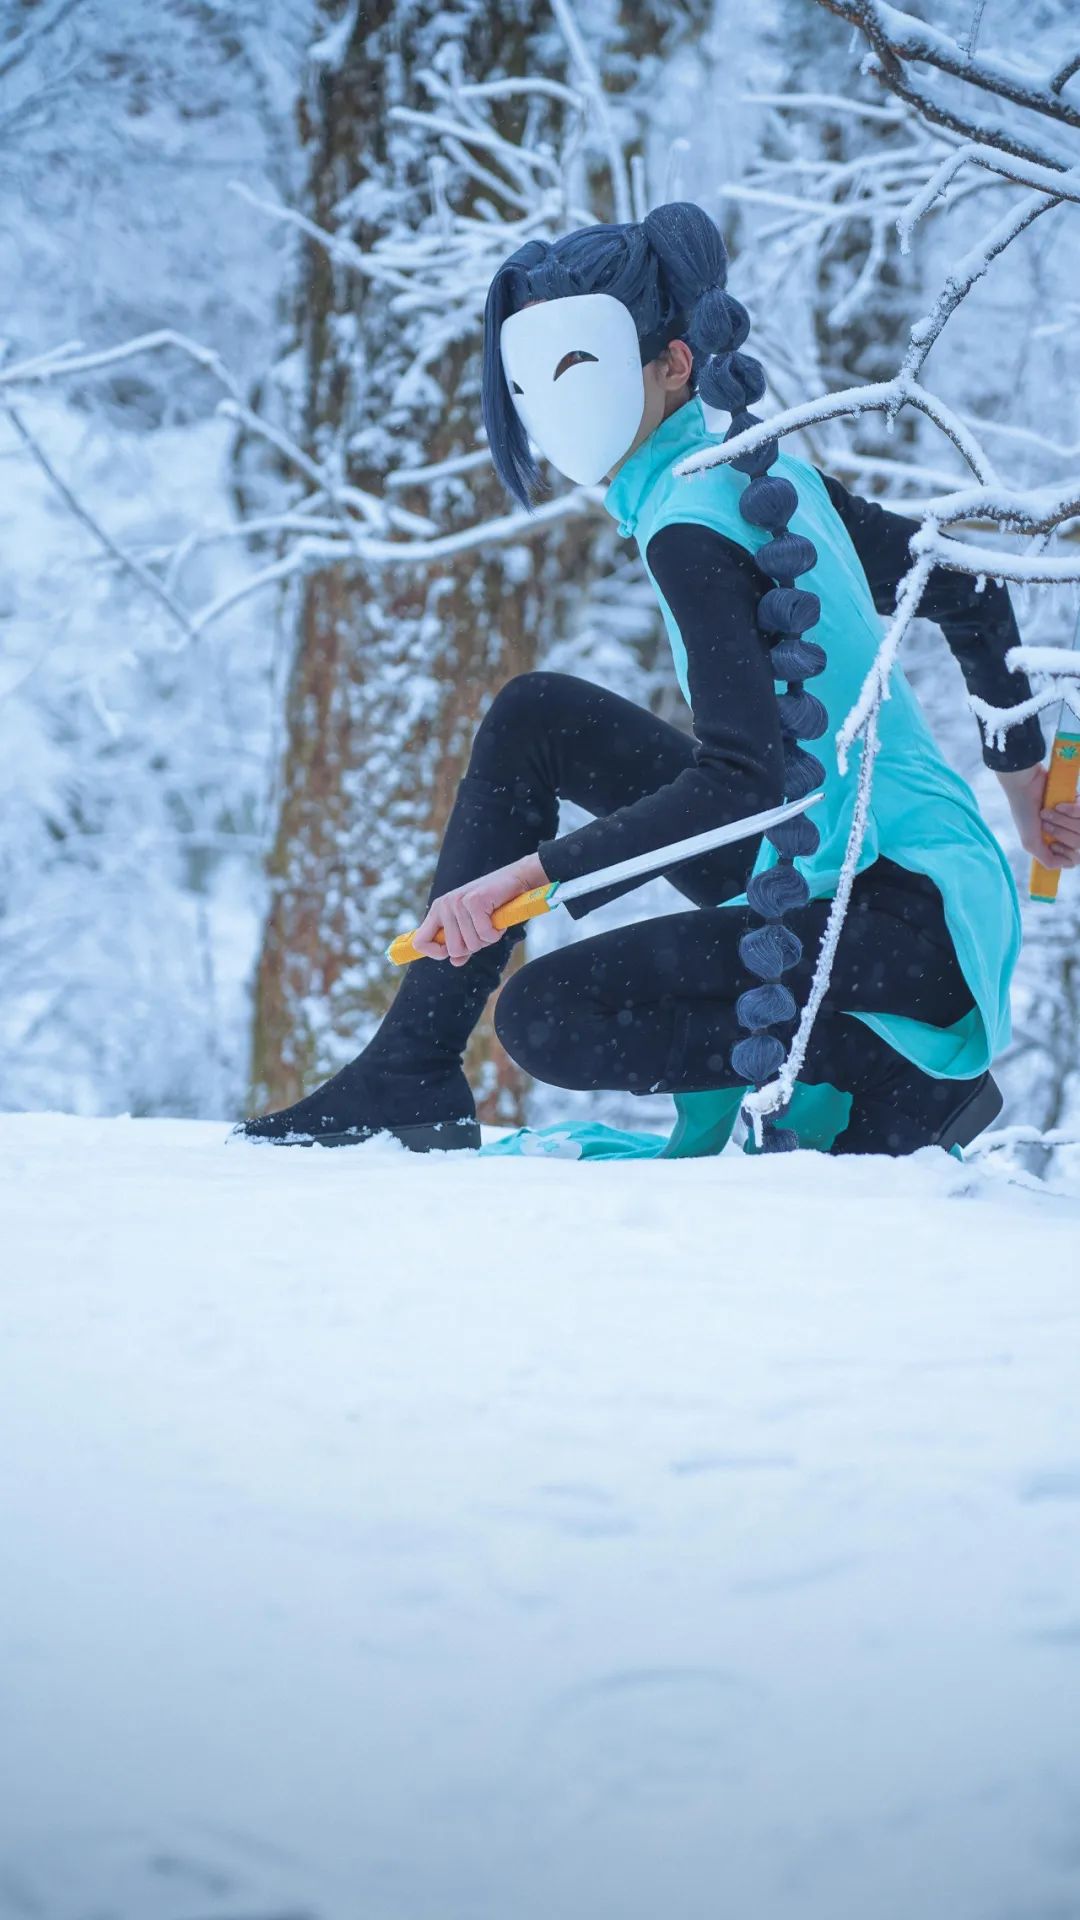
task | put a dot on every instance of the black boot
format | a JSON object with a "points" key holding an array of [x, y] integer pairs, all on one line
{"points": [[408, 1081], [909, 1109], [427, 1114]]}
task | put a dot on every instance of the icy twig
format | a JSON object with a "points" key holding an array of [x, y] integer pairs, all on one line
{"points": [[337, 245], [313, 555], [126, 561], [904, 37], [1023, 509], [931, 107], [45, 20], [590, 86], [964, 556], [1060, 662], [882, 396], [341, 495], [826, 103], [1022, 1136], [54, 365], [518, 160], [1064, 73], [875, 687], [1024, 173], [969, 271]]}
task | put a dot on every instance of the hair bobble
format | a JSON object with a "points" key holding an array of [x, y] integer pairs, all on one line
{"points": [[731, 381], [718, 323]]}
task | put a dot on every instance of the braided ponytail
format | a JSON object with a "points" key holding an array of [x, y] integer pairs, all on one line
{"points": [[694, 259]]}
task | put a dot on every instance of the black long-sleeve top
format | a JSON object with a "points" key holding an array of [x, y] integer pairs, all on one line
{"points": [[712, 586]]}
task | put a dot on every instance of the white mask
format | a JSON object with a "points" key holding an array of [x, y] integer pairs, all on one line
{"points": [[585, 417]]}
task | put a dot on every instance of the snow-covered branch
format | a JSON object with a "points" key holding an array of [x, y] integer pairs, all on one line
{"points": [[1021, 509], [591, 86], [896, 37], [44, 20], [1060, 662], [882, 396], [70, 359], [830, 103], [997, 721], [965, 275], [1034, 511], [875, 687], [963, 556], [1058, 185], [126, 561], [1059, 666], [906, 37]]}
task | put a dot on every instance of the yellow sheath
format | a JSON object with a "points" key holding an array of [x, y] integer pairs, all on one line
{"points": [[524, 906], [1061, 786]]}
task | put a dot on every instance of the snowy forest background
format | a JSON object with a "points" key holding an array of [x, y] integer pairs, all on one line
{"points": [[259, 581]]}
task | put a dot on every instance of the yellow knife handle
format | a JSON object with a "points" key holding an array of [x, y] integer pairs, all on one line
{"points": [[1061, 786], [524, 906]]}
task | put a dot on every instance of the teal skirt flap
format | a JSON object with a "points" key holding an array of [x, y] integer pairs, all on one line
{"points": [[704, 1125]]}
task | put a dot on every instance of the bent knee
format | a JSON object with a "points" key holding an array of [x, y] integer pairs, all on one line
{"points": [[530, 1021], [517, 702], [527, 708]]}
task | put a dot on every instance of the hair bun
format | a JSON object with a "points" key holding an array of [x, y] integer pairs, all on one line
{"points": [[690, 248]]}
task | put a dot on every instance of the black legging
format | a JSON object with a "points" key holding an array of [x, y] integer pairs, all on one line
{"points": [[651, 1006]]}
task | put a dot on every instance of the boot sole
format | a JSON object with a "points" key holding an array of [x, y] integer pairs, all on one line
{"points": [[437, 1136]]}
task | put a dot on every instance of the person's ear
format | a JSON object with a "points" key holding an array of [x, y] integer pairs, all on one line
{"points": [[676, 364]]}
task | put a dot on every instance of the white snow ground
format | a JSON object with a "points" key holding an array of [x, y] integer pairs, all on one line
{"points": [[389, 1538]]}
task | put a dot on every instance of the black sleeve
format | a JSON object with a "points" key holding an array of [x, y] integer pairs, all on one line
{"points": [[712, 587], [979, 627]]}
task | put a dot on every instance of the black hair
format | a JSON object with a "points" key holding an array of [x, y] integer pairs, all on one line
{"points": [[670, 272]]}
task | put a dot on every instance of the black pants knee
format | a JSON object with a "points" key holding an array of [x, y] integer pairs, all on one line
{"points": [[651, 1007]]}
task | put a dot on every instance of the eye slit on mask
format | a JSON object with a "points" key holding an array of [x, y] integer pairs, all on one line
{"points": [[514, 388], [572, 360]]}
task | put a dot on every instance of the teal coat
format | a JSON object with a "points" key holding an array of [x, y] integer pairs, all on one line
{"points": [[923, 815]]}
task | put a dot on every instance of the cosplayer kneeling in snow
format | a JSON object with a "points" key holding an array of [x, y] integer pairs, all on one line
{"points": [[601, 348]]}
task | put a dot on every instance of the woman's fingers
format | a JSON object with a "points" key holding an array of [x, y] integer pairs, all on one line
{"points": [[457, 945], [426, 938], [1061, 827], [464, 920], [1063, 823], [476, 912]]}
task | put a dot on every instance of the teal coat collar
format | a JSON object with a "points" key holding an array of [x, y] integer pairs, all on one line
{"points": [[679, 434]]}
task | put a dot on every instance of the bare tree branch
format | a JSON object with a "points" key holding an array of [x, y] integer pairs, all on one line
{"points": [[124, 560], [1065, 73], [598, 100], [43, 22], [864, 14], [908, 38]]}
